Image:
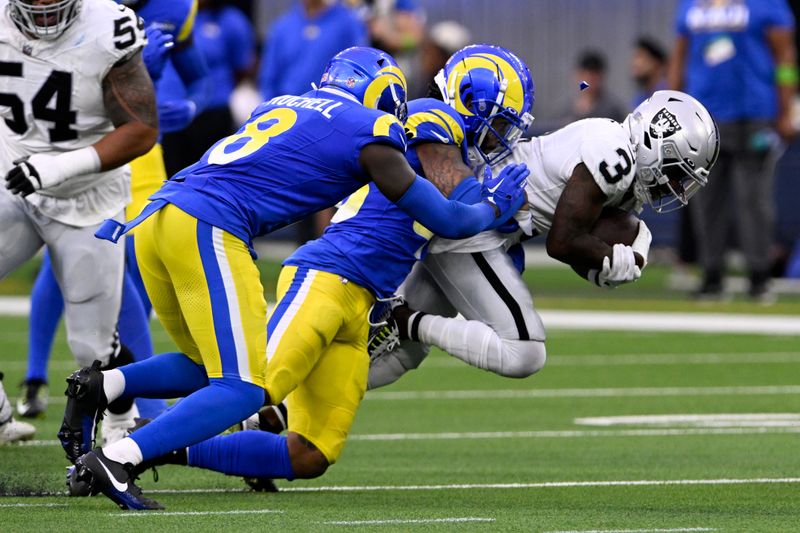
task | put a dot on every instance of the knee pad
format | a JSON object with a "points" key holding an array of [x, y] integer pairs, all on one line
{"points": [[522, 358]]}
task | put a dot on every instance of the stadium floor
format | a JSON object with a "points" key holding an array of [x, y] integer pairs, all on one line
{"points": [[451, 448]]}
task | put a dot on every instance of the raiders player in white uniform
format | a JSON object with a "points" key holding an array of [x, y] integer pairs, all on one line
{"points": [[659, 156], [77, 105]]}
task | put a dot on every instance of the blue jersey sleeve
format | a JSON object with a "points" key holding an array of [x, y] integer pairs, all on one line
{"points": [[384, 129], [431, 120]]}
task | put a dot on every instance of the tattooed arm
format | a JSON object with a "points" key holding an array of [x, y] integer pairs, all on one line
{"points": [[443, 165], [130, 102]]}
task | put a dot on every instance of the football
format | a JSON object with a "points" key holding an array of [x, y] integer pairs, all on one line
{"points": [[616, 226]]}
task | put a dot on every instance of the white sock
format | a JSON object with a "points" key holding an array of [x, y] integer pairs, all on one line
{"points": [[124, 451], [469, 340], [113, 384]]}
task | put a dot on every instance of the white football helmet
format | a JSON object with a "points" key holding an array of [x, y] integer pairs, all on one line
{"points": [[676, 143], [44, 20]]}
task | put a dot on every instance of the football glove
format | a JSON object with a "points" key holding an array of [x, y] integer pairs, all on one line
{"points": [[506, 192], [175, 115], [156, 51], [620, 268], [42, 171]]}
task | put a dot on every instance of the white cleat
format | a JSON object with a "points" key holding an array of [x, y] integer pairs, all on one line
{"points": [[15, 431], [117, 427], [10, 429]]}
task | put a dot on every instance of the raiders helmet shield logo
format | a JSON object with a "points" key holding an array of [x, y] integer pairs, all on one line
{"points": [[664, 124]]}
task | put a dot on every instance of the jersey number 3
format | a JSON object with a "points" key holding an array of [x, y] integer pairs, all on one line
{"points": [[58, 87], [622, 168], [254, 135]]}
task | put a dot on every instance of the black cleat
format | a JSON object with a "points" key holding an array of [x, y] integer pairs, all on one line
{"points": [[261, 484], [86, 403], [33, 398], [114, 480]]}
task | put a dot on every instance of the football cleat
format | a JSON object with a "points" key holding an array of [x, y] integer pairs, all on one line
{"points": [[385, 332], [114, 480], [33, 399], [86, 402], [11, 430], [118, 426]]}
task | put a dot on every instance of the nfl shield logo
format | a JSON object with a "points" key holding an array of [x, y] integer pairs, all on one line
{"points": [[351, 82], [27, 49]]}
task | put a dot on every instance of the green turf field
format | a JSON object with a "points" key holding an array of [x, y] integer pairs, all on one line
{"points": [[451, 448]]}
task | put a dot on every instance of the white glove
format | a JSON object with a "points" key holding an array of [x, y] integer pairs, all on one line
{"points": [[42, 171], [621, 268]]}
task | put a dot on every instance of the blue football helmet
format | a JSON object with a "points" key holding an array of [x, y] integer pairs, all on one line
{"points": [[493, 91], [373, 77]]}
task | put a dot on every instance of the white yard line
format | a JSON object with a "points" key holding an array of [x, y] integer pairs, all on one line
{"points": [[33, 504], [692, 322], [665, 530], [714, 358], [605, 320], [455, 520], [622, 392], [708, 420], [156, 514], [544, 434]]}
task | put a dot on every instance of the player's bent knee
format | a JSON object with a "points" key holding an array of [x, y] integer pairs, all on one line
{"points": [[307, 460], [523, 358]]}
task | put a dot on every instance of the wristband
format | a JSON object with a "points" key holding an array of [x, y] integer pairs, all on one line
{"points": [[641, 244], [82, 161], [786, 74]]}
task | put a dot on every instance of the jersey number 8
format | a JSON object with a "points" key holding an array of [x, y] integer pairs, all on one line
{"points": [[253, 136]]}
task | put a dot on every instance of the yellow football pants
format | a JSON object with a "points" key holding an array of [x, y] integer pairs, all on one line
{"points": [[317, 354]]}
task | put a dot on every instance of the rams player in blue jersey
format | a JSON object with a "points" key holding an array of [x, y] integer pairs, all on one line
{"points": [[317, 333], [294, 156], [170, 51]]}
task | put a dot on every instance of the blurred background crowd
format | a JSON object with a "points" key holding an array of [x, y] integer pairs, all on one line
{"points": [[623, 49]]}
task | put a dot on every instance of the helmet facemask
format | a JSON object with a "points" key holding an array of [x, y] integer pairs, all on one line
{"points": [[500, 129], [669, 182], [45, 21]]}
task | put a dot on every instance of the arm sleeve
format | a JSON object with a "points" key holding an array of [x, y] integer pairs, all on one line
{"points": [[447, 218], [193, 71]]}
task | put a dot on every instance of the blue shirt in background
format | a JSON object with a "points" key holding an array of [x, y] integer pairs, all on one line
{"points": [[730, 67], [227, 41], [298, 48]]}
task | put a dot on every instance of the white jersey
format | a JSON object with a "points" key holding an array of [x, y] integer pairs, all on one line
{"points": [[51, 100], [601, 144]]}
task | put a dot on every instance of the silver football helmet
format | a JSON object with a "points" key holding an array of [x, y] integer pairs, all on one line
{"points": [[676, 143], [43, 19]]}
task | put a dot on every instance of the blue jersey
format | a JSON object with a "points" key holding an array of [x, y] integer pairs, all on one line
{"points": [[730, 67], [370, 241], [294, 156], [176, 18]]}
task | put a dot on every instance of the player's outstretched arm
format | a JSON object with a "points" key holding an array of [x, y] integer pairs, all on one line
{"points": [[130, 102], [444, 166], [420, 199]]}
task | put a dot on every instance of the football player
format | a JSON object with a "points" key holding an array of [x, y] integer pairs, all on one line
{"points": [[317, 333], [294, 156], [660, 156], [77, 105], [170, 50]]}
